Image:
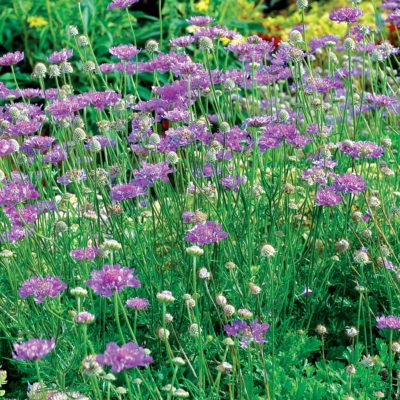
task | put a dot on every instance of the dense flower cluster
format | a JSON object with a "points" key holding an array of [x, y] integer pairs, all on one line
{"points": [[40, 288], [33, 349]]}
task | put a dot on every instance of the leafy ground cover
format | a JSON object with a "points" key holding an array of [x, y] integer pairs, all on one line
{"points": [[198, 213]]}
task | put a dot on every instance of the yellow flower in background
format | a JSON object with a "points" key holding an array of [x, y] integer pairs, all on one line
{"points": [[203, 5], [36, 22]]}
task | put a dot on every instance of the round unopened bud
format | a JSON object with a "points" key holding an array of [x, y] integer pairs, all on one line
{"points": [[94, 146], [152, 46], [79, 135], [78, 292], [121, 390], [254, 289], [39, 70], [356, 216], [163, 334], [228, 342], [83, 41], [228, 310], [195, 251], [178, 361], [221, 300], [351, 332], [60, 227], [89, 66], [154, 139], [283, 116], [165, 297], [172, 158], [180, 393], [211, 156], [110, 377], [396, 347], [194, 330], [66, 68], [224, 367], [91, 367], [168, 318], [321, 330], [224, 127], [6, 253], [205, 43], [72, 30], [351, 369], [204, 274], [54, 71], [349, 44], [112, 245], [245, 313], [230, 265], [302, 4], [268, 251], [295, 36], [341, 246], [229, 85]]}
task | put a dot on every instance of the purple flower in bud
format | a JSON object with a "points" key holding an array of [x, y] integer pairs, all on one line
{"points": [[85, 253], [60, 56], [247, 332], [137, 303], [125, 51], [327, 197], [388, 322]]}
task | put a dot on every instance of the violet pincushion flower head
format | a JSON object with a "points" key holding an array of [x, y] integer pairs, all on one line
{"points": [[121, 4], [33, 349], [327, 197], [85, 253], [40, 288], [349, 183], [124, 51], [347, 14], [388, 322], [11, 58], [206, 233], [247, 332], [363, 149], [112, 278], [60, 56], [129, 355], [137, 303], [200, 20]]}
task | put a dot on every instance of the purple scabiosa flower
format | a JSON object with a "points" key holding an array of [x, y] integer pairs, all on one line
{"points": [[7, 147], [182, 41], [137, 303], [101, 99], [327, 197], [11, 58], [388, 322], [56, 155], [346, 14], [349, 183], [127, 191], [37, 144], [232, 182], [22, 215], [362, 149], [121, 4], [200, 20], [60, 56], [21, 128], [247, 332], [124, 51], [85, 253], [18, 191], [84, 317], [42, 287], [177, 115], [206, 233], [112, 278], [149, 173], [33, 349], [314, 175], [129, 355]]}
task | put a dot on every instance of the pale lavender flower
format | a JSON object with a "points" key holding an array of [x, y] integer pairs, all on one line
{"points": [[85, 253], [200, 20], [11, 58], [327, 197], [15, 192], [84, 317], [60, 56], [346, 14], [129, 355], [112, 278], [125, 51], [206, 233], [33, 349], [121, 4], [41, 287], [127, 191], [247, 332], [362, 149], [137, 303], [388, 322], [349, 183]]}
